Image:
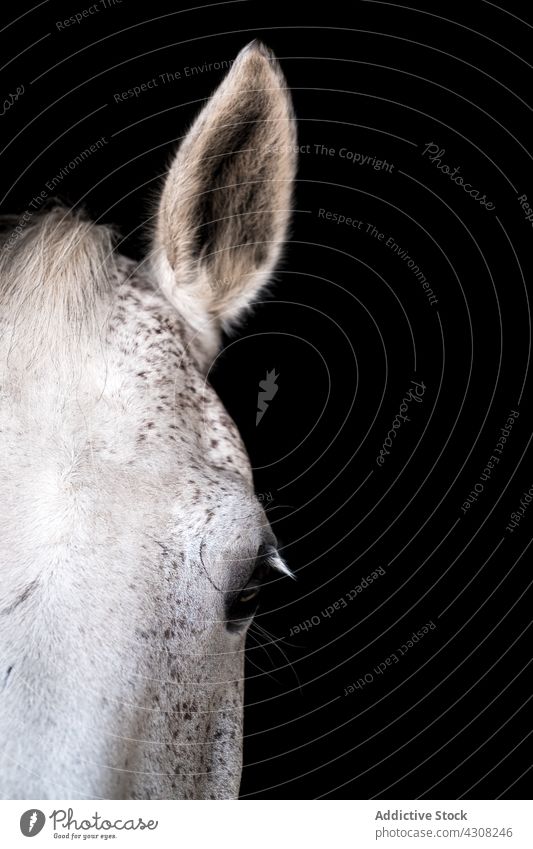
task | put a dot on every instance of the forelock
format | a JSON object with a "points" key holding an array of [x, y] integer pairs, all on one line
{"points": [[55, 269]]}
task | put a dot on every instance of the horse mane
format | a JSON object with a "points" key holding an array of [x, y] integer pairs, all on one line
{"points": [[55, 269]]}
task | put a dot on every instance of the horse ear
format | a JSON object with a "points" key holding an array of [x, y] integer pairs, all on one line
{"points": [[224, 209]]}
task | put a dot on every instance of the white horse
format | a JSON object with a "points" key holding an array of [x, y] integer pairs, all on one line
{"points": [[132, 546]]}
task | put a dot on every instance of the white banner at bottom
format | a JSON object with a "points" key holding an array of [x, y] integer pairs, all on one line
{"points": [[262, 824]]}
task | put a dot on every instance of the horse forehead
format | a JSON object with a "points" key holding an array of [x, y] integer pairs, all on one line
{"points": [[133, 396], [154, 382]]}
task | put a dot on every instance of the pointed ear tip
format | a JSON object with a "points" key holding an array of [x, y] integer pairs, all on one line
{"points": [[257, 51], [257, 47]]}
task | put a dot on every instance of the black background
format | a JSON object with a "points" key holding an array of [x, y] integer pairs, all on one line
{"points": [[347, 327]]}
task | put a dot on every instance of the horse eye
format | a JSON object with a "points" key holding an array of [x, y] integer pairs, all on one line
{"points": [[248, 595], [244, 605]]}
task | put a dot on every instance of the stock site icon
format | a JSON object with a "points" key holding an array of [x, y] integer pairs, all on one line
{"points": [[267, 390], [32, 822]]}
